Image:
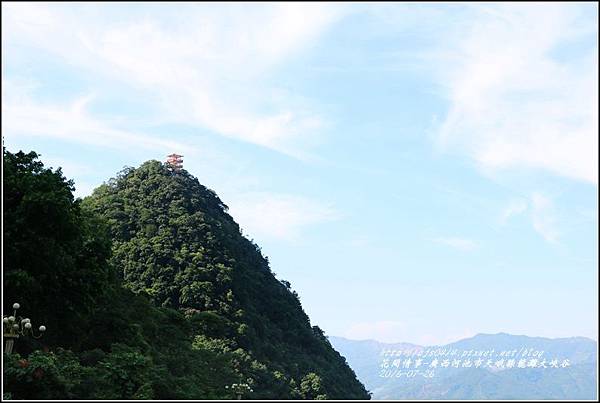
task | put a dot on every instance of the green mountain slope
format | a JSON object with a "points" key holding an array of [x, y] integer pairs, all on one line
{"points": [[177, 244], [179, 304]]}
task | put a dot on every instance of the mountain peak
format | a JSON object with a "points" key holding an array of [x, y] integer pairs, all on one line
{"points": [[177, 244]]}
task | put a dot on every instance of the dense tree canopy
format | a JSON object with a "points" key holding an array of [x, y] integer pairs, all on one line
{"points": [[149, 290], [54, 254]]}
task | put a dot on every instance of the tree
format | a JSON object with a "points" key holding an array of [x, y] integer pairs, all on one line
{"points": [[311, 387], [54, 255], [153, 292]]}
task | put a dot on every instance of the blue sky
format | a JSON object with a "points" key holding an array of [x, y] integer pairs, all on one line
{"points": [[418, 172]]}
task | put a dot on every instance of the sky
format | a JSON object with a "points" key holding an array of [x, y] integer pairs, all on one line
{"points": [[419, 172]]}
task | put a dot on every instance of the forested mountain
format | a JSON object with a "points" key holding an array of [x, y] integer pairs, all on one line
{"points": [[577, 381], [149, 290]]}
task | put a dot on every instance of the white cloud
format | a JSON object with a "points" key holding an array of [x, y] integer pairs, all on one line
{"points": [[22, 116], [541, 212], [202, 65], [514, 208], [69, 168], [543, 218], [457, 243], [278, 216], [360, 242], [515, 100]]}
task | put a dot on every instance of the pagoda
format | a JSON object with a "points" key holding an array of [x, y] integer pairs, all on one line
{"points": [[175, 162]]}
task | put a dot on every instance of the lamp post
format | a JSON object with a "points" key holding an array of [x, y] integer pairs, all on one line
{"points": [[15, 326]]}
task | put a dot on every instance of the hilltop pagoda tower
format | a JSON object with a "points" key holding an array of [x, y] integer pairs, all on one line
{"points": [[175, 162]]}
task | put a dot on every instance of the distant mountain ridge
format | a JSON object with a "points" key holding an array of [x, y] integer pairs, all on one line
{"points": [[577, 380]]}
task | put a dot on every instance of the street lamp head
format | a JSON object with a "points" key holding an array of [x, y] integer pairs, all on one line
{"points": [[16, 327]]}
